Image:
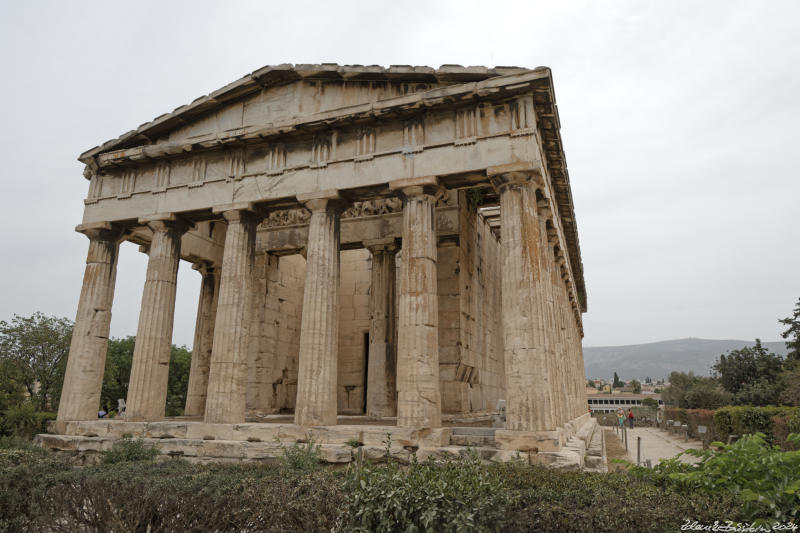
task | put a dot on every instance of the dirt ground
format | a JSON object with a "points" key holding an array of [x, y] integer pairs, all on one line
{"points": [[615, 449]]}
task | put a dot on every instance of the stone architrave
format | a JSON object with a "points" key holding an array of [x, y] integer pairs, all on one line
{"points": [[147, 391], [382, 361], [529, 405], [227, 379], [83, 379], [319, 326], [419, 402], [203, 340]]}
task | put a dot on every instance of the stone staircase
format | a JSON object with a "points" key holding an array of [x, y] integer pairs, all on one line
{"points": [[475, 437]]}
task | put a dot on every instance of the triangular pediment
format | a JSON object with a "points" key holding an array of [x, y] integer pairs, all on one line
{"points": [[275, 94]]}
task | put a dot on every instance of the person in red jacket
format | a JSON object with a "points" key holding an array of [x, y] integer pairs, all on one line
{"points": [[630, 417]]}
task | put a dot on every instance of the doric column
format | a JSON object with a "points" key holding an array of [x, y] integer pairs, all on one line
{"points": [[227, 379], [527, 373], [382, 361], [419, 402], [203, 340], [83, 380], [261, 350], [319, 327], [147, 391], [559, 388]]}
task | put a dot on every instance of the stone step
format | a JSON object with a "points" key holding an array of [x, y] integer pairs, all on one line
{"points": [[481, 432], [472, 440]]}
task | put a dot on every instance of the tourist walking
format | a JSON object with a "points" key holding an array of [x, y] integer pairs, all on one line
{"points": [[630, 417]]}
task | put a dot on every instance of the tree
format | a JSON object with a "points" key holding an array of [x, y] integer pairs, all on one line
{"points": [[12, 389], [180, 362], [689, 391], [38, 346], [119, 360], [590, 384], [650, 402], [637, 387], [751, 374], [792, 333], [617, 383], [790, 379]]}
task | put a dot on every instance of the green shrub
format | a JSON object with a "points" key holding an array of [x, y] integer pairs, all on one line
{"points": [[744, 419], [443, 496], [127, 450], [766, 479], [24, 421], [302, 456], [700, 417], [26, 474]]}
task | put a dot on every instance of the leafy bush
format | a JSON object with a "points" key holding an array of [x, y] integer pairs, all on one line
{"points": [[700, 417], [24, 421], [39, 492], [177, 496], [443, 496], [766, 479], [745, 419], [127, 450], [302, 456], [26, 474]]}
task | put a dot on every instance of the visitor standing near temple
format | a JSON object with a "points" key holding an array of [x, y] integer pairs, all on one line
{"points": [[630, 417]]}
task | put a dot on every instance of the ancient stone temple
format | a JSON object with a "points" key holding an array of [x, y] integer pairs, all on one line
{"points": [[380, 250]]}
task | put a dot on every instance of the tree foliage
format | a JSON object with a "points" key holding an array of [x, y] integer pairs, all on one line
{"points": [[751, 374], [34, 353], [637, 387], [689, 391], [792, 334], [119, 361]]}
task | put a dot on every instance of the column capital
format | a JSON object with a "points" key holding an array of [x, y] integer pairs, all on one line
{"points": [[205, 268], [387, 245], [420, 186], [238, 212], [321, 200], [166, 222], [107, 231], [513, 175]]}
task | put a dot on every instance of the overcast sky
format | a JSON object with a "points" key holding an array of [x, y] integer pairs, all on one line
{"points": [[679, 122]]}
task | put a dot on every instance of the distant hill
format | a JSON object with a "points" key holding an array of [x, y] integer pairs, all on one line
{"points": [[658, 359]]}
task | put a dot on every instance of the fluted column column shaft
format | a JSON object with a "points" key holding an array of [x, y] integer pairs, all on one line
{"points": [[83, 379], [418, 393], [203, 341], [547, 305], [529, 406], [319, 327], [382, 362], [227, 379], [147, 391]]}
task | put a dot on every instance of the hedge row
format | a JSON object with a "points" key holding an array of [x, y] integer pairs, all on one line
{"points": [[40, 492], [774, 422]]}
